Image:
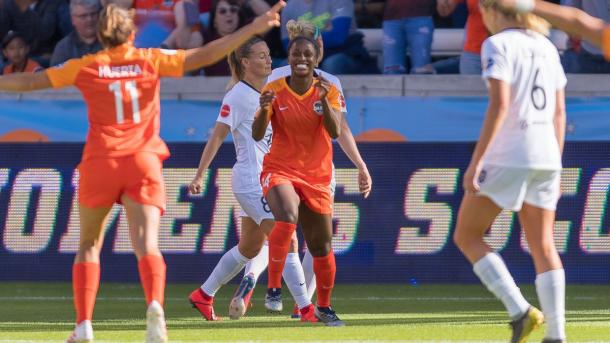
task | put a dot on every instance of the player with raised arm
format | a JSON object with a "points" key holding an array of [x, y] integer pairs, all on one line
{"points": [[305, 113], [302, 28], [572, 20], [516, 165], [122, 158], [250, 65]]}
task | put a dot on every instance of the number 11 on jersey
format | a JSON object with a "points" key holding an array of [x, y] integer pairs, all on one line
{"points": [[117, 88]]}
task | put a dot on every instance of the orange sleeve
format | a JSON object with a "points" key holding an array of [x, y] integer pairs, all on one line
{"points": [[334, 97], [606, 42], [65, 74], [169, 62]]}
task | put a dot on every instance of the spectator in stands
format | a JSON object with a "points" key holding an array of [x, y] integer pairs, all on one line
{"points": [[408, 24], [475, 34], [187, 28], [344, 51], [83, 39], [16, 49], [226, 16], [582, 56], [369, 13], [36, 21]]}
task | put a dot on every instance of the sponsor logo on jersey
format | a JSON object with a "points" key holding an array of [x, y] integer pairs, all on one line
{"points": [[317, 107], [225, 110], [113, 72]]}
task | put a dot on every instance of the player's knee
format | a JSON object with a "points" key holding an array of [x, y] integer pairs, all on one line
{"points": [[288, 214], [249, 251], [319, 249], [461, 239]]}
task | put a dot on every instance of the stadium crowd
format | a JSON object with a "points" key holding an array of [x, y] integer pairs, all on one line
{"points": [[36, 34]]}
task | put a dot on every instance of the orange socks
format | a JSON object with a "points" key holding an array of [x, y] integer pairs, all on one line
{"points": [[325, 270], [279, 244], [152, 275], [85, 282]]}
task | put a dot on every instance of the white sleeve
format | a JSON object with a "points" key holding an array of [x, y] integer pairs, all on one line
{"points": [[495, 62], [561, 80], [337, 83], [229, 113]]}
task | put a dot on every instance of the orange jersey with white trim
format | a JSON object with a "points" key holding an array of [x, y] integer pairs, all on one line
{"points": [[301, 144], [121, 89]]}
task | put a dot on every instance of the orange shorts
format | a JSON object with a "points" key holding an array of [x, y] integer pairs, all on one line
{"points": [[103, 181], [316, 196]]}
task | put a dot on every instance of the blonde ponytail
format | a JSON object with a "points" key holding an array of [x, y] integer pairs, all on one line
{"points": [[115, 26], [525, 20]]}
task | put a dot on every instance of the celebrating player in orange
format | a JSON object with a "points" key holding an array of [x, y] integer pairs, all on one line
{"points": [[122, 159], [305, 113]]}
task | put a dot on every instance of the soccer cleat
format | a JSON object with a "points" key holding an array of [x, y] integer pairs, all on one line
{"points": [[156, 330], [204, 304], [328, 316], [523, 326], [83, 333], [273, 300], [296, 314], [238, 305], [308, 314]]}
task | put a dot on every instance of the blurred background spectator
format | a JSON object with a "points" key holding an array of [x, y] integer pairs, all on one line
{"points": [[369, 13], [226, 17], [344, 51], [38, 22], [582, 56], [15, 50], [83, 39], [187, 27], [408, 24], [475, 34]]}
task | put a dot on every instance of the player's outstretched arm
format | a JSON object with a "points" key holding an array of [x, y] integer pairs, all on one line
{"points": [[263, 115], [221, 131], [348, 145], [24, 82], [569, 19], [215, 50], [560, 118]]}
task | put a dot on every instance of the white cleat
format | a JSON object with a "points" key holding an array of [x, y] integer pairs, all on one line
{"points": [[83, 333], [156, 331]]}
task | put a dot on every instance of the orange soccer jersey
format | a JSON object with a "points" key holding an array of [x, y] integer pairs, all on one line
{"points": [[301, 145], [606, 42], [121, 89]]}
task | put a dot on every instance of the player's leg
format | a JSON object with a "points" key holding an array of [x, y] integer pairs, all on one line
{"points": [[144, 201], [310, 276], [476, 214], [537, 219], [250, 244], [284, 203], [86, 270], [294, 276], [317, 228]]}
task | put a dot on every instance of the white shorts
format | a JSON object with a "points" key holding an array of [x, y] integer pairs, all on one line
{"points": [[510, 187], [254, 205]]}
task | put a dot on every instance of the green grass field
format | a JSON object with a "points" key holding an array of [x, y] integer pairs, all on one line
{"points": [[35, 312]]}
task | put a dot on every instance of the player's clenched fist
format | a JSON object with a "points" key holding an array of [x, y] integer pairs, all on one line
{"points": [[323, 87], [196, 185], [266, 100]]}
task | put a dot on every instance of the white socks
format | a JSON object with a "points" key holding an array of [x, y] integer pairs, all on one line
{"points": [[495, 276], [258, 264], [295, 279], [551, 289], [231, 263], [310, 277]]}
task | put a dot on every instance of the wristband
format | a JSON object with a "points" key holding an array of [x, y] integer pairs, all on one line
{"points": [[524, 6]]}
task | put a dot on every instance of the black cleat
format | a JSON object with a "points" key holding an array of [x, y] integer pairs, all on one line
{"points": [[328, 316]]}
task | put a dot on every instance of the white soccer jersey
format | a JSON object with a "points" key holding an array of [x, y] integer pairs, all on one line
{"points": [[285, 71], [237, 111], [529, 63]]}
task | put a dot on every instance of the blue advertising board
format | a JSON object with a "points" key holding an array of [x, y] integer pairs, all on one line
{"points": [[401, 233]]}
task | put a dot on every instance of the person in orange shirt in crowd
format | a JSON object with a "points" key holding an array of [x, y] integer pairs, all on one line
{"points": [[305, 113], [572, 20], [476, 33], [16, 50], [122, 158]]}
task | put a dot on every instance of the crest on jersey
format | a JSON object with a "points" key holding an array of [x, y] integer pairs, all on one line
{"points": [[225, 110], [317, 107]]}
